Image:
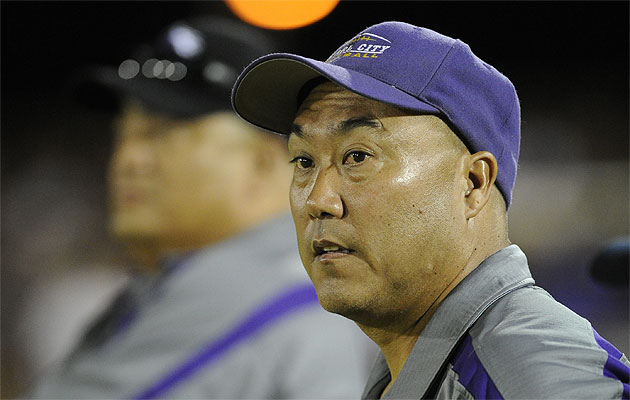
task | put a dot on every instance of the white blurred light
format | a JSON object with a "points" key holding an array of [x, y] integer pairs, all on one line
{"points": [[218, 72], [159, 69], [128, 69], [179, 72], [148, 67], [170, 68], [186, 42]]}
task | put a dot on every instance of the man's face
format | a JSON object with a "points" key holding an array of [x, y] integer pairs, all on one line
{"points": [[375, 199], [174, 183]]}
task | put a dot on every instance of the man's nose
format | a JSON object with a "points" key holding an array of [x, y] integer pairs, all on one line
{"points": [[325, 201], [133, 157]]}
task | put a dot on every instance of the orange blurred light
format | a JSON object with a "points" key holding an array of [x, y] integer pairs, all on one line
{"points": [[281, 14]]}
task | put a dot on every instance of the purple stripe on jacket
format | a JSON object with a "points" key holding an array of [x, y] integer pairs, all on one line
{"points": [[280, 306], [614, 368], [472, 375]]}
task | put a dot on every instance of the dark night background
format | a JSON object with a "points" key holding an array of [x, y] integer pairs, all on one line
{"points": [[568, 61], [560, 56]]}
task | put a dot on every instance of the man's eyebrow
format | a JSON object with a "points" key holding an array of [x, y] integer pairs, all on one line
{"points": [[343, 126], [358, 122], [296, 130]]}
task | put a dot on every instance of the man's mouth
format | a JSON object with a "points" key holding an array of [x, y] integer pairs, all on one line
{"points": [[129, 196], [325, 249]]}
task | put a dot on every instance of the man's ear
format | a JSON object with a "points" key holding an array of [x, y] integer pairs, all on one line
{"points": [[482, 172], [270, 153]]}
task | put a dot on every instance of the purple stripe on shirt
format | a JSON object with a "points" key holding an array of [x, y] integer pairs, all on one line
{"points": [[614, 368], [279, 306], [472, 375]]}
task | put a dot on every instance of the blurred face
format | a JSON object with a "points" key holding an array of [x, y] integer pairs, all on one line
{"points": [[176, 184], [375, 202]]}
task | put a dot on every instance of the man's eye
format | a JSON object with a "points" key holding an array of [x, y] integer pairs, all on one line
{"points": [[302, 162], [355, 157]]}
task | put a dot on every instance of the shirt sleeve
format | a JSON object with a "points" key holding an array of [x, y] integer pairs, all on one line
{"points": [[534, 347]]}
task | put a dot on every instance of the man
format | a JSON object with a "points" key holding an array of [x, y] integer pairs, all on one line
{"points": [[405, 147], [223, 309]]}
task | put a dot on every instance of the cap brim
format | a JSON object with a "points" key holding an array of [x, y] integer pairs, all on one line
{"points": [[266, 92], [103, 88]]}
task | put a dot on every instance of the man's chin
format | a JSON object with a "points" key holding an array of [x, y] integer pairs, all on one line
{"points": [[361, 307], [128, 230], [337, 302]]}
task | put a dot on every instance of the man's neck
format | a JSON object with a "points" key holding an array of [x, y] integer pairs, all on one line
{"points": [[396, 343], [146, 258], [395, 346]]}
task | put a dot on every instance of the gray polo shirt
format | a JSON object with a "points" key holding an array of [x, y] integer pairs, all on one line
{"points": [[497, 335], [239, 319]]}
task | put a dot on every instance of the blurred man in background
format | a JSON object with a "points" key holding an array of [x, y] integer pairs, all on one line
{"points": [[221, 307]]}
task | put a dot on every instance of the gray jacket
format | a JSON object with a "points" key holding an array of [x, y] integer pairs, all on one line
{"points": [[498, 336], [239, 319]]}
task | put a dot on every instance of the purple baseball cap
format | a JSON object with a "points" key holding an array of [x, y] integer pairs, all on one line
{"points": [[403, 65]]}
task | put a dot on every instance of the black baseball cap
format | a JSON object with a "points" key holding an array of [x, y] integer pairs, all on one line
{"points": [[187, 71]]}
